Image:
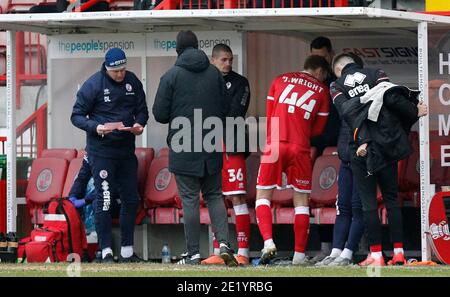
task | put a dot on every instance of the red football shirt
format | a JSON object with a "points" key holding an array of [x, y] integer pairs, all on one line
{"points": [[301, 104]]}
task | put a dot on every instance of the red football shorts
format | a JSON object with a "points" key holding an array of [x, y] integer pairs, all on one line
{"points": [[292, 168], [234, 174]]}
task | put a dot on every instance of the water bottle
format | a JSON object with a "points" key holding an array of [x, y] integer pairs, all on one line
{"points": [[3, 242], [165, 254], [12, 242]]}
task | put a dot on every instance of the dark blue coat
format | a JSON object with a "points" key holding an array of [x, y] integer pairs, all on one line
{"points": [[102, 100]]}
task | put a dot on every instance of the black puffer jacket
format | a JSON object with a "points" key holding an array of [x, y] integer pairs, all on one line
{"points": [[354, 82], [388, 136], [192, 84]]}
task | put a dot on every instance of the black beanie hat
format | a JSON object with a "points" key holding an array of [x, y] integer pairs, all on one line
{"points": [[186, 39]]}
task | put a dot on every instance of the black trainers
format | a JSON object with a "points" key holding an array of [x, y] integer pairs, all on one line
{"points": [[227, 255], [133, 259], [190, 260], [108, 259]]}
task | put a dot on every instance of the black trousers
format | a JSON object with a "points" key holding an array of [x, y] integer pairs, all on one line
{"points": [[189, 188], [115, 176], [387, 180]]}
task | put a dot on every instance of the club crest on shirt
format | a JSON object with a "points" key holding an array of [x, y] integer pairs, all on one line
{"points": [[103, 174], [129, 89]]}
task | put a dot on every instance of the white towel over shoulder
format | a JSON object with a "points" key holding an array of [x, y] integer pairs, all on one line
{"points": [[376, 95]]}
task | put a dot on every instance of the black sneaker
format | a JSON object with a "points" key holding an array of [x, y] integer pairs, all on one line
{"points": [[133, 259], [190, 260], [108, 259], [227, 255]]}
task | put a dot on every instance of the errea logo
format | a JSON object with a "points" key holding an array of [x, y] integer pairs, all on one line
{"points": [[355, 81], [118, 62], [352, 79]]}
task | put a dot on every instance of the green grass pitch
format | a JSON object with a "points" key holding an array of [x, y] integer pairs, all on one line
{"points": [[159, 270]]}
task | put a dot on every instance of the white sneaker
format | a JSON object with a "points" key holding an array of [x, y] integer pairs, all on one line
{"points": [[325, 262], [190, 260], [302, 262], [340, 261], [92, 237]]}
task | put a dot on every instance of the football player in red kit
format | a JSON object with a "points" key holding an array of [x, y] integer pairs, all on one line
{"points": [[297, 109], [234, 172]]}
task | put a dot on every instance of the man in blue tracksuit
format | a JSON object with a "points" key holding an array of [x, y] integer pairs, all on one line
{"points": [[111, 108], [349, 225], [81, 196]]}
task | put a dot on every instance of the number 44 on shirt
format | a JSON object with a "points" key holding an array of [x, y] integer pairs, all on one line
{"points": [[293, 100]]}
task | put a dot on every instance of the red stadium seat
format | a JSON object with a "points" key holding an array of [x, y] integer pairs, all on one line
{"points": [[68, 154], [327, 215], [324, 184], [81, 153], [325, 180], [72, 173], [165, 215], [409, 181], [20, 6], [161, 190], [283, 215], [46, 182], [324, 215], [204, 215], [282, 198], [409, 169], [314, 154], [144, 157], [331, 150], [163, 152], [121, 5], [251, 211]]}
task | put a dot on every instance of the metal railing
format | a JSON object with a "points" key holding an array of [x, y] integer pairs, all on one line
{"points": [[21, 6], [31, 61], [32, 134], [230, 4]]}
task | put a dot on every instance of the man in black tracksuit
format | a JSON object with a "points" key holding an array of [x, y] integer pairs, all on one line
{"points": [[189, 93], [111, 108], [234, 172], [354, 82], [321, 46]]}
